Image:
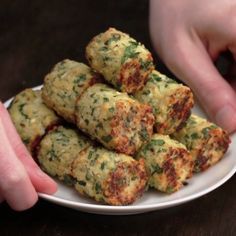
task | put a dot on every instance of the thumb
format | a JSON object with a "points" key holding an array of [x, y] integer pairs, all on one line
{"points": [[192, 64], [40, 180]]}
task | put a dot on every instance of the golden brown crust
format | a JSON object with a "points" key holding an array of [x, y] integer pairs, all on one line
{"points": [[138, 114], [109, 177], [171, 102], [115, 188], [218, 140], [122, 61], [206, 142], [179, 112], [117, 121], [168, 163]]}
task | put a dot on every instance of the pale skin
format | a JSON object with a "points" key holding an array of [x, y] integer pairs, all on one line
{"points": [[20, 177], [189, 36]]}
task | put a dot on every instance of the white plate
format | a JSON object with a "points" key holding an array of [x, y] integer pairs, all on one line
{"points": [[199, 185]]}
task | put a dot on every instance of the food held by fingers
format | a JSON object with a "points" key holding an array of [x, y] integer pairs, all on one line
{"points": [[117, 121], [122, 60], [168, 163], [31, 117], [58, 149], [64, 84], [109, 177], [171, 102], [206, 141]]}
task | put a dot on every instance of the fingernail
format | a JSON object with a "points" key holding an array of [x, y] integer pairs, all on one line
{"points": [[226, 118]]}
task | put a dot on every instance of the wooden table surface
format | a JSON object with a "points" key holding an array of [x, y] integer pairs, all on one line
{"points": [[34, 35]]}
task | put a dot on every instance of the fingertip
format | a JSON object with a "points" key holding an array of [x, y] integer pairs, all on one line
{"points": [[226, 118], [43, 183], [52, 188]]}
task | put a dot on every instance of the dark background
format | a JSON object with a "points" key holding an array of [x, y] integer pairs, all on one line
{"points": [[34, 35]]}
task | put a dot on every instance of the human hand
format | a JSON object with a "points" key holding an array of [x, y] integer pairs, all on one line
{"points": [[189, 36], [20, 177]]}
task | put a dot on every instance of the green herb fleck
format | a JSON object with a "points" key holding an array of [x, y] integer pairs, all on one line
{"points": [[156, 169], [155, 77], [69, 180], [145, 65], [81, 182], [52, 155], [105, 99], [111, 109], [146, 92], [106, 138], [99, 125], [21, 109], [98, 187], [26, 140], [144, 134], [86, 121], [103, 165], [104, 48], [159, 142], [79, 78], [195, 136], [169, 189], [90, 154], [114, 38], [206, 130], [130, 52]]}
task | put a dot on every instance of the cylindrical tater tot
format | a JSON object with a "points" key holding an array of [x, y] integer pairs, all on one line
{"points": [[58, 149], [109, 177], [206, 142], [171, 102], [64, 84], [31, 117], [167, 161], [114, 119], [123, 61]]}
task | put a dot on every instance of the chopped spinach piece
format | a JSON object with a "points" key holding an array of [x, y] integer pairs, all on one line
{"points": [[98, 187], [21, 107], [130, 52], [69, 180], [155, 77], [52, 154], [103, 165], [156, 169], [145, 65], [195, 136], [144, 134], [106, 138], [114, 38], [111, 109], [81, 182], [105, 99]]}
